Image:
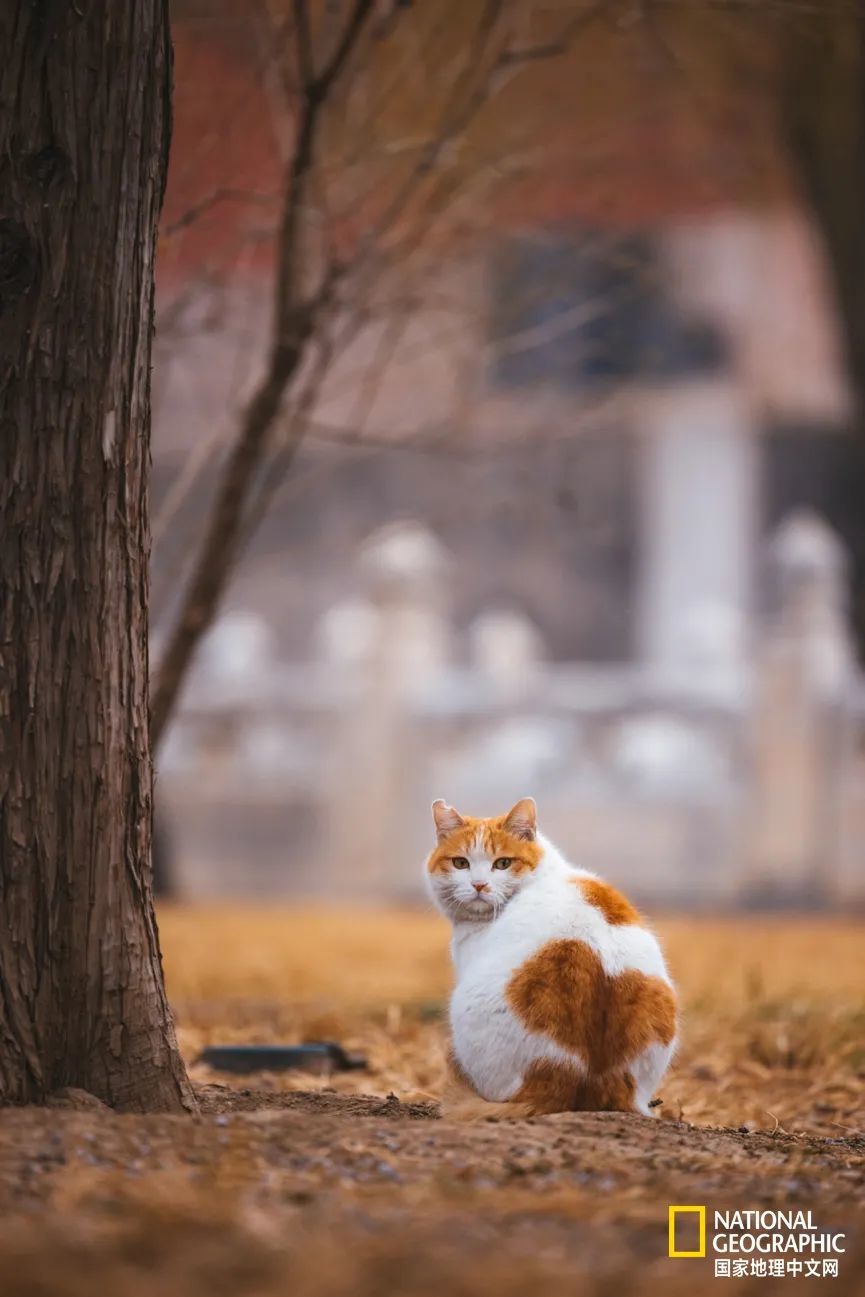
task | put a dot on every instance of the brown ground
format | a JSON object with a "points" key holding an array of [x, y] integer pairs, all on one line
{"points": [[303, 1186]]}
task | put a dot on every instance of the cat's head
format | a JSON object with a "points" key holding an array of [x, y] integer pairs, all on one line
{"points": [[477, 865]]}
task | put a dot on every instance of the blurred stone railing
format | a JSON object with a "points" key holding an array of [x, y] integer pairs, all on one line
{"points": [[737, 779]]}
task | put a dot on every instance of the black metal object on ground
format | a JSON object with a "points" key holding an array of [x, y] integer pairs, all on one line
{"points": [[320, 1056]]}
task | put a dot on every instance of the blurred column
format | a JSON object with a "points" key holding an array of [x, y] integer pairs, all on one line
{"points": [[698, 525], [376, 747], [507, 651], [803, 739]]}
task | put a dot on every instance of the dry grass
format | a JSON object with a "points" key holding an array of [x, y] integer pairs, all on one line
{"points": [[273, 1194], [774, 1009]]}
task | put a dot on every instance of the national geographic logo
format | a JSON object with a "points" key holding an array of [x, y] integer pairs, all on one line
{"points": [[749, 1242], [673, 1216]]}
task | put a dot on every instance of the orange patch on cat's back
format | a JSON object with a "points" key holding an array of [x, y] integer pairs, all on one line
{"points": [[563, 992], [615, 907]]}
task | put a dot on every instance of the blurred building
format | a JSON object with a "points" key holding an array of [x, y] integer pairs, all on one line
{"points": [[730, 775], [599, 385]]}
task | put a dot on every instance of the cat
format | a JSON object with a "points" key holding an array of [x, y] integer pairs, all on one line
{"points": [[562, 999]]}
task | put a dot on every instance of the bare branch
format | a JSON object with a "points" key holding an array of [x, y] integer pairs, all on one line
{"points": [[554, 48], [223, 195], [304, 44], [299, 310], [322, 84], [293, 322]]}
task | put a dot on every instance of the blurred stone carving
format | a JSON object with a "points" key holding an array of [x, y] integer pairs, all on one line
{"points": [[506, 648], [802, 717], [808, 584], [724, 771], [236, 649], [662, 754]]}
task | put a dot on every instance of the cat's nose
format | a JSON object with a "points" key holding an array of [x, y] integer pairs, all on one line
{"points": [[481, 887]]}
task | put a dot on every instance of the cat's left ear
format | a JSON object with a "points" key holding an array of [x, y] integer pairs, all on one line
{"points": [[522, 819]]}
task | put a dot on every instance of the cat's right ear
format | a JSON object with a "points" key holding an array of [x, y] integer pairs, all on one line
{"points": [[447, 820]]}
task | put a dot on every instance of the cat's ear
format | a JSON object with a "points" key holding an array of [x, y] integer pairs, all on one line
{"points": [[522, 819], [447, 820]]}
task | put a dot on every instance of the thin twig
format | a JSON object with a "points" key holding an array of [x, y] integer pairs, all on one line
{"points": [[223, 195], [237, 507], [293, 324]]}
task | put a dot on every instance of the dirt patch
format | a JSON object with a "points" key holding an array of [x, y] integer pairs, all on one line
{"points": [[215, 1099], [325, 1194], [772, 1010], [607, 1151], [353, 1186]]}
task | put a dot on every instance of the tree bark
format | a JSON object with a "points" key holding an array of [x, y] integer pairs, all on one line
{"points": [[84, 129], [823, 113]]}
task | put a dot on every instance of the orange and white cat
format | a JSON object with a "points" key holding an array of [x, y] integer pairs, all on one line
{"points": [[562, 999]]}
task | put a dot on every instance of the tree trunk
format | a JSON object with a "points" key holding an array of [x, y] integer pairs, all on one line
{"points": [[85, 89], [823, 113]]}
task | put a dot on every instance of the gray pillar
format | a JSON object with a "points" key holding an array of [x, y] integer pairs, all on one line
{"points": [[698, 524]]}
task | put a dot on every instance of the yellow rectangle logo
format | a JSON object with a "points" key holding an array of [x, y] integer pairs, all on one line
{"points": [[672, 1213]]}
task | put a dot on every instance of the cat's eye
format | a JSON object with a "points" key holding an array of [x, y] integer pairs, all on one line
{"points": [[503, 862], [459, 862]]}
